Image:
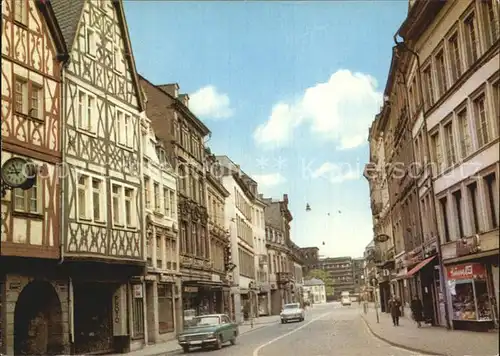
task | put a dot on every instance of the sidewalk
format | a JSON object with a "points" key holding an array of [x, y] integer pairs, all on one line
{"points": [[430, 340], [172, 347]]}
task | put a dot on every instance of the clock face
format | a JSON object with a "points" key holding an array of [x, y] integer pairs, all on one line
{"points": [[14, 172]]}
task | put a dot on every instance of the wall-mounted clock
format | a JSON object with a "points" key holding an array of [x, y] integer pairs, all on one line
{"points": [[18, 172]]}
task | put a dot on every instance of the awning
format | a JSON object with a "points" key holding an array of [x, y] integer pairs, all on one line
{"points": [[420, 266]]}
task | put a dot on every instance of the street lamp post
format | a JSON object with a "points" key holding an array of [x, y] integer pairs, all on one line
{"points": [[375, 284]]}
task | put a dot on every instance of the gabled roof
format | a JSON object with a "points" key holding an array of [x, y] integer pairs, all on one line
{"points": [[54, 29], [69, 14]]}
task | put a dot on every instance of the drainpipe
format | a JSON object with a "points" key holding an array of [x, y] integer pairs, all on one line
{"points": [[63, 173], [405, 47]]}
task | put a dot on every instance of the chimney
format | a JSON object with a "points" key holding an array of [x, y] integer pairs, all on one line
{"points": [[184, 98], [172, 89]]}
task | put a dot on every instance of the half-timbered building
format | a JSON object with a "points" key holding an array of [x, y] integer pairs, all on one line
{"points": [[184, 134], [162, 283], [103, 218], [32, 294]]}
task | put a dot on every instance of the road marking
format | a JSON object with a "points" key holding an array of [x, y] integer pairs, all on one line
{"points": [[256, 351]]}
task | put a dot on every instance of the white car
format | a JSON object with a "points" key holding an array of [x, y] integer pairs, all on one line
{"points": [[291, 312], [345, 301]]}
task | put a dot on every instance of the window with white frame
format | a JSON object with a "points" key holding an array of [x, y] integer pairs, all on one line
{"points": [[21, 11], [90, 41], [124, 128], [172, 203], [21, 96], [451, 157], [482, 123], [464, 133], [86, 110], [30, 200], [36, 102], [491, 190], [455, 57], [116, 197], [157, 200], [129, 213], [83, 182], [166, 202], [471, 38], [97, 194], [123, 198], [147, 192], [90, 198]]}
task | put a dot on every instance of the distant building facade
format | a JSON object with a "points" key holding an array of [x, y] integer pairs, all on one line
{"points": [[314, 291], [340, 270]]}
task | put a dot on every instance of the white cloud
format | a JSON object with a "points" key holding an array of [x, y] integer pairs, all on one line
{"points": [[340, 110], [269, 180], [337, 173], [207, 103]]}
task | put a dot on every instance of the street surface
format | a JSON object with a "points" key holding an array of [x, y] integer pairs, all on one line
{"points": [[328, 330]]}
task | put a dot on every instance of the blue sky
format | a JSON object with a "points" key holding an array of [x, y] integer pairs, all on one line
{"points": [[288, 89]]}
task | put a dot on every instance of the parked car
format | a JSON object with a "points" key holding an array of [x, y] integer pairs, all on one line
{"points": [[291, 312], [208, 331]]}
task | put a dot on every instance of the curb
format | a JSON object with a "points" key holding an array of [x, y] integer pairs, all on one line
{"points": [[402, 346]]}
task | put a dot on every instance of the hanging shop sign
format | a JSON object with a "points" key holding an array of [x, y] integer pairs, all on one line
{"points": [[137, 291]]}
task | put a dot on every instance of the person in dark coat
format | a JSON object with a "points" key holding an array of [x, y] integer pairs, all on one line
{"points": [[395, 307], [417, 310]]}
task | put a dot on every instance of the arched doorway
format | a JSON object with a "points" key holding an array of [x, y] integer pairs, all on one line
{"points": [[38, 321]]}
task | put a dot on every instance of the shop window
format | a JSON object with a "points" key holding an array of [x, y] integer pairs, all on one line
{"points": [[469, 293], [165, 308]]}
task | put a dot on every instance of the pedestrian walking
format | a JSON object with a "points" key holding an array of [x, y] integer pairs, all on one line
{"points": [[395, 307], [417, 310]]}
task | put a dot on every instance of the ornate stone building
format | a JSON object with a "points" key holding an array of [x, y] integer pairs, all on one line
{"points": [[218, 232], [183, 135], [277, 220]]}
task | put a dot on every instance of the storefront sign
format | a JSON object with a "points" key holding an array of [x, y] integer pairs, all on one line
{"points": [[466, 271], [137, 290], [190, 289]]}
